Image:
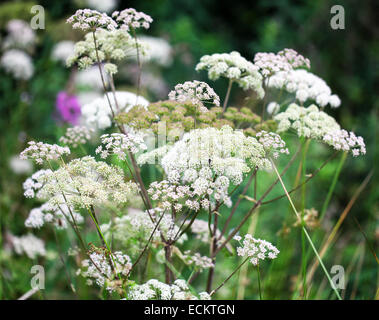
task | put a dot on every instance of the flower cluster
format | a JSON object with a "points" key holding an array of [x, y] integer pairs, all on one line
{"points": [[233, 67], [272, 143], [307, 122], [156, 290], [203, 164], [130, 18], [121, 144], [158, 50], [137, 224], [110, 46], [295, 59], [58, 216], [346, 141], [33, 184], [270, 63], [18, 63], [103, 269], [198, 261], [76, 136], [305, 86], [87, 19], [256, 249], [62, 50], [28, 244], [20, 166], [39, 151], [105, 6], [197, 92], [86, 182], [99, 114], [201, 229], [218, 152], [20, 35]]}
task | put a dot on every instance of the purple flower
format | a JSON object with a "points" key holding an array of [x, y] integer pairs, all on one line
{"points": [[68, 107]]}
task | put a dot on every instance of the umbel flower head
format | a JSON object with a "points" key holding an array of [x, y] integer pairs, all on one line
{"points": [[59, 216], [85, 182], [203, 164], [315, 124], [121, 144], [103, 269], [197, 92], [111, 46], [156, 290], [40, 152], [130, 18], [76, 136], [256, 249], [305, 86], [269, 63], [87, 19], [233, 67]]}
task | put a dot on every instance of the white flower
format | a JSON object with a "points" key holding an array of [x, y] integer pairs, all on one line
{"points": [[30, 245], [104, 268], [85, 182], [18, 63], [76, 136], [20, 166], [87, 19], [158, 50], [196, 92], [20, 35], [121, 144], [101, 5], [306, 86], [234, 67], [256, 249], [98, 113], [132, 19], [346, 141], [273, 108], [62, 50], [40, 152], [307, 122]]}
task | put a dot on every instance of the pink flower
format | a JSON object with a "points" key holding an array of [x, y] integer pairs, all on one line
{"points": [[68, 107]]}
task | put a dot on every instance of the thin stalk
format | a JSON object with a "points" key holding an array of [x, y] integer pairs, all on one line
{"points": [[332, 186], [310, 176], [257, 204], [306, 233], [227, 279], [63, 262], [138, 63], [259, 282], [237, 203], [227, 96], [147, 244], [303, 200]]}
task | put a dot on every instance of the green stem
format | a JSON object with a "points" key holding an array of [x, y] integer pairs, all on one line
{"points": [[306, 233], [259, 282], [227, 96], [333, 185]]}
